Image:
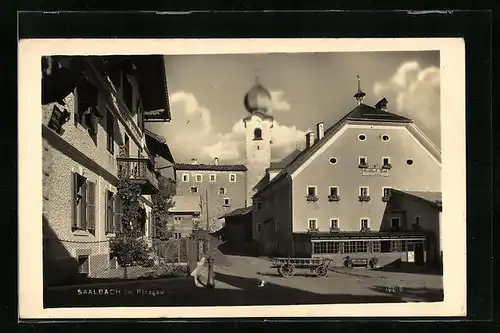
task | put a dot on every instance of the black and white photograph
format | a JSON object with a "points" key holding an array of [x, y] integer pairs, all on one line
{"points": [[260, 177]]}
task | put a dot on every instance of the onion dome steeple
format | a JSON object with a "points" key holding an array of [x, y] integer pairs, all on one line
{"points": [[257, 98]]}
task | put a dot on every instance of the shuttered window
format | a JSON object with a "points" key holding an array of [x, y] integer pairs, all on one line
{"points": [[91, 207], [110, 128], [118, 214], [83, 203], [110, 226]]}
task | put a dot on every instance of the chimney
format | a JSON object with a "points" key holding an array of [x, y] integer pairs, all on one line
{"points": [[194, 161], [321, 130], [382, 104], [216, 161], [309, 139]]}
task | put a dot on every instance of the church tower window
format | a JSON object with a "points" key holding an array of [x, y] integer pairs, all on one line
{"points": [[257, 134]]}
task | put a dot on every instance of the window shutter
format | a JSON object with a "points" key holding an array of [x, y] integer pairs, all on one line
{"points": [[83, 206], [74, 203], [77, 111], [109, 212], [153, 227], [118, 214], [91, 207], [94, 124]]}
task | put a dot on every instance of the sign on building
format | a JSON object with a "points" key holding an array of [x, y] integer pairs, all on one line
{"points": [[375, 172]]}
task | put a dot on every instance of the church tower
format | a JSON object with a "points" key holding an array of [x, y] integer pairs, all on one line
{"points": [[258, 127]]}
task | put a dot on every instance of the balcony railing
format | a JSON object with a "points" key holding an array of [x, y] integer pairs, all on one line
{"points": [[139, 171]]}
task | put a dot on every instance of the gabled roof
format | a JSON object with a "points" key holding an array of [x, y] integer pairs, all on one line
{"points": [[361, 113], [429, 196], [369, 113], [157, 145], [210, 167], [186, 204], [152, 79], [286, 160], [239, 212], [277, 166]]}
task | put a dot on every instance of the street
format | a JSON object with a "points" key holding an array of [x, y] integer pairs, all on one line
{"points": [[238, 281]]}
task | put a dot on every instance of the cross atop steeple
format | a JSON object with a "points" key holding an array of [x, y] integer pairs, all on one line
{"points": [[359, 95], [257, 75]]}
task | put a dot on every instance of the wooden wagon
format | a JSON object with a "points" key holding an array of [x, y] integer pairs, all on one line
{"points": [[286, 266]]}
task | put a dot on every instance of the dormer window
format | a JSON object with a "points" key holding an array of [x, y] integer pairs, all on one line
{"points": [[257, 134]]}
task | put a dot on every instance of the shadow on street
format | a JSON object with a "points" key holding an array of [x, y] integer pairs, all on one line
{"points": [[407, 267], [184, 293]]}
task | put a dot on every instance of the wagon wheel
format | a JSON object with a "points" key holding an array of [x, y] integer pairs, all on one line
{"points": [[321, 271], [287, 270]]}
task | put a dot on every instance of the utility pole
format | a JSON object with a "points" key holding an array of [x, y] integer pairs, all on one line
{"points": [[206, 207]]}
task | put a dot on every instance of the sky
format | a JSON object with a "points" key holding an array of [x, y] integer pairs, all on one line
{"points": [[206, 96]]}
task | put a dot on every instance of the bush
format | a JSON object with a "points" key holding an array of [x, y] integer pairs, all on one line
{"points": [[168, 270], [129, 250]]}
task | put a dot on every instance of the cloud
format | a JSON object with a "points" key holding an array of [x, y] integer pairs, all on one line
{"points": [[195, 115], [278, 102], [417, 95], [194, 135]]}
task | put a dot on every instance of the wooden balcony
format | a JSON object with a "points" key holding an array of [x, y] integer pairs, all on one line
{"points": [[139, 171]]}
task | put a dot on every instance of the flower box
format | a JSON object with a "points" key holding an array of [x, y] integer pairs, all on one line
{"points": [[364, 198], [386, 198], [312, 198], [333, 198]]}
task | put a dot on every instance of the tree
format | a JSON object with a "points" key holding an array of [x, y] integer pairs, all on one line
{"points": [[128, 246], [162, 202]]}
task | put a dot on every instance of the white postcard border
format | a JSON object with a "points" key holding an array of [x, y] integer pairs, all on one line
{"points": [[453, 229]]}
